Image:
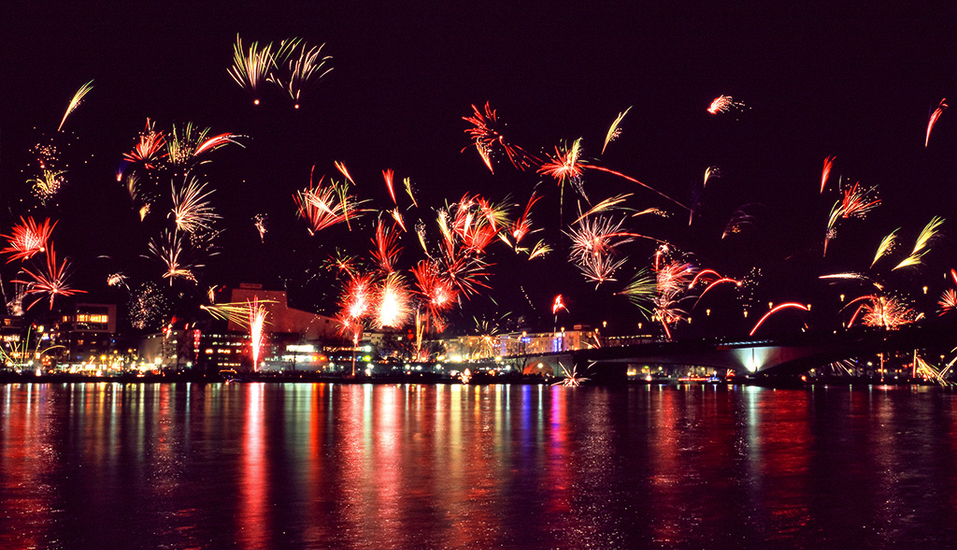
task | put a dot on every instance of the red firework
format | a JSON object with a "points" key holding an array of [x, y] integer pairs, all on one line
{"points": [[486, 138], [27, 239], [50, 283]]}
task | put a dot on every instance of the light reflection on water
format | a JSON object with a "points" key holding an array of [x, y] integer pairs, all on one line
{"points": [[105, 465]]}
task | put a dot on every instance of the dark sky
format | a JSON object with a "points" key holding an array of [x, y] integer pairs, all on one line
{"points": [[853, 80]]}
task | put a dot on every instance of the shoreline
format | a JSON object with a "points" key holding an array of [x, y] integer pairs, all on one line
{"points": [[435, 379]]}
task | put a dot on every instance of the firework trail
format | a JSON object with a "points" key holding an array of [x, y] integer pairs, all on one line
{"points": [[739, 220], [645, 185], [185, 145], [724, 104], [77, 98], [387, 175], [387, 249], [948, 301], [775, 310], [407, 182], [614, 130], [826, 171], [192, 211], [920, 246], [257, 321], [558, 304], [50, 283], [251, 67], [397, 216], [933, 119], [27, 239], [299, 71], [710, 172], [523, 225], [887, 245], [641, 291], [437, 291], [856, 203], [487, 139], [605, 205], [324, 206], [703, 276]]}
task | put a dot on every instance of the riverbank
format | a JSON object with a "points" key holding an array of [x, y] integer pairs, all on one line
{"points": [[399, 377]]}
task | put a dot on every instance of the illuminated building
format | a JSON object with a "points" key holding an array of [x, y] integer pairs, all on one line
{"points": [[87, 333]]}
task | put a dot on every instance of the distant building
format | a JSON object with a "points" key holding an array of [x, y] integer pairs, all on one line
{"points": [[293, 339], [86, 332]]}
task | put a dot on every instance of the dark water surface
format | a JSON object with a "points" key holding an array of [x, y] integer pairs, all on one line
{"points": [[116, 466]]}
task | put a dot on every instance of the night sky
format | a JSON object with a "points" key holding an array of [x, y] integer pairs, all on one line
{"points": [[856, 82]]}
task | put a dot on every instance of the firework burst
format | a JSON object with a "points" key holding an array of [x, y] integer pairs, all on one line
{"points": [[50, 283], [251, 67], [487, 140], [27, 239], [192, 210]]}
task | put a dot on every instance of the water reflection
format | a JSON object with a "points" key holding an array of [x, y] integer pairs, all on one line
{"points": [[451, 466]]}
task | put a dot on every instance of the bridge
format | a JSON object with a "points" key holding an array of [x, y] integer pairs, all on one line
{"points": [[786, 355]]}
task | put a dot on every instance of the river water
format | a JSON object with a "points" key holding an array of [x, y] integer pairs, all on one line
{"points": [[181, 466]]}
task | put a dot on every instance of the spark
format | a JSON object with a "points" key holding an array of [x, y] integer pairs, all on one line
{"points": [[75, 102], [724, 104], [27, 239], [259, 221], [523, 225]]}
